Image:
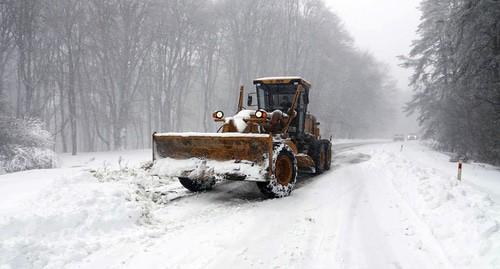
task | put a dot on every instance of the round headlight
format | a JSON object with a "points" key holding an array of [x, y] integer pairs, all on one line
{"points": [[260, 114], [218, 114]]}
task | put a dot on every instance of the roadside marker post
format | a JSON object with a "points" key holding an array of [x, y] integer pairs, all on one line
{"points": [[459, 175]]}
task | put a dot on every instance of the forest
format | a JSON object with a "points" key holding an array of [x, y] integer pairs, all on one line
{"points": [[100, 75], [104, 74], [456, 81]]}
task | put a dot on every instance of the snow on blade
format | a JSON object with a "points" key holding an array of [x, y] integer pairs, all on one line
{"points": [[205, 169]]}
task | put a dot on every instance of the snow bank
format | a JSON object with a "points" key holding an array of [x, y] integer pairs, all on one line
{"points": [[77, 215], [64, 223], [464, 219]]}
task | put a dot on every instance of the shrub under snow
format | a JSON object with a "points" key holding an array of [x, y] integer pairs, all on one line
{"points": [[25, 145]]}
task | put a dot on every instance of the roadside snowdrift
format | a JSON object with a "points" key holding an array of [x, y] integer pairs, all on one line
{"points": [[76, 215], [464, 219]]}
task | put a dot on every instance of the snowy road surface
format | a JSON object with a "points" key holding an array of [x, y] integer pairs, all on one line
{"points": [[378, 207]]}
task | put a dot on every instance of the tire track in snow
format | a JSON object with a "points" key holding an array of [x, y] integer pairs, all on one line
{"points": [[359, 199]]}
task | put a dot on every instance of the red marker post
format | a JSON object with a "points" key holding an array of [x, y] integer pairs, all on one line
{"points": [[459, 176]]}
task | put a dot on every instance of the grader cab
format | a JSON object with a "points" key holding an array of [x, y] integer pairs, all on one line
{"points": [[268, 145]]}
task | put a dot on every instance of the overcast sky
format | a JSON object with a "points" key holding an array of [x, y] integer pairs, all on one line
{"points": [[386, 29]]}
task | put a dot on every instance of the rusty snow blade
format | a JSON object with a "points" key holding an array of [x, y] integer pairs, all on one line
{"points": [[209, 146]]}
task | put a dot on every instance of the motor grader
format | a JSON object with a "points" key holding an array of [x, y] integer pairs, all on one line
{"points": [[268, 145]]}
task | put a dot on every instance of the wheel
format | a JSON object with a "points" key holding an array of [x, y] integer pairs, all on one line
{"points": [[284, 174], [195, 185], [317, 153], [328, 154]]}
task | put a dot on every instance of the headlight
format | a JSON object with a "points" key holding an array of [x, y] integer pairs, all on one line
{"points": [[218, 114], [260, 114]]}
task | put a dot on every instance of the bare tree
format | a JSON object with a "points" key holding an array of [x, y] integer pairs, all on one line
{"points": [[176, 41], [6, 46], [209, 60], [120, 44], [65, 18], [26, 27]]}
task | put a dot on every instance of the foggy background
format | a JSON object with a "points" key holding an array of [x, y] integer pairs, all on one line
{"points": [[386, 28], [104, 74]]}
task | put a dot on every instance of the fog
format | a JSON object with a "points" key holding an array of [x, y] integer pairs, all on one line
{"points": [[103, 75], [386, 28]]}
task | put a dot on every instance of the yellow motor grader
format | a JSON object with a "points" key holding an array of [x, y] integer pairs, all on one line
{"points": [[268, 145]]}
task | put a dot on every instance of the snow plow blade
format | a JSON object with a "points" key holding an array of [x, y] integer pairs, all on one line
{"points": [[233, 156]]}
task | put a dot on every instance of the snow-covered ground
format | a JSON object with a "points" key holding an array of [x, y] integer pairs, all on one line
{"points": [[380, 206]]}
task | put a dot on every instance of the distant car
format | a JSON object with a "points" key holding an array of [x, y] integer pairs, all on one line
{"points": [[399, 137], [412, 137]]}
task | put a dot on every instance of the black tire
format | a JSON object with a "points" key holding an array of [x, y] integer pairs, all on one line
{"points": [[195, 185], [284, 175], [328, 154], [317, 153]]}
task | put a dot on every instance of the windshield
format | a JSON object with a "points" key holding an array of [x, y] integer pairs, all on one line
{"points": [[279, 96]]}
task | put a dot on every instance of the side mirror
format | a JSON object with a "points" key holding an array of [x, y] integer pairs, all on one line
{"points": [[250, 99]]}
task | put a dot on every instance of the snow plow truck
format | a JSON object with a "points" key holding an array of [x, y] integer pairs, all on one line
{"points": [[268, 145]]}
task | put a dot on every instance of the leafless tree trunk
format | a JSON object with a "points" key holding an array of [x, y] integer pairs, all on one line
{"points": [[6, 46]]}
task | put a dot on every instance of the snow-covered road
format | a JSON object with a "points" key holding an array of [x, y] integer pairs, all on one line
{"points": [[378, 207]]}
